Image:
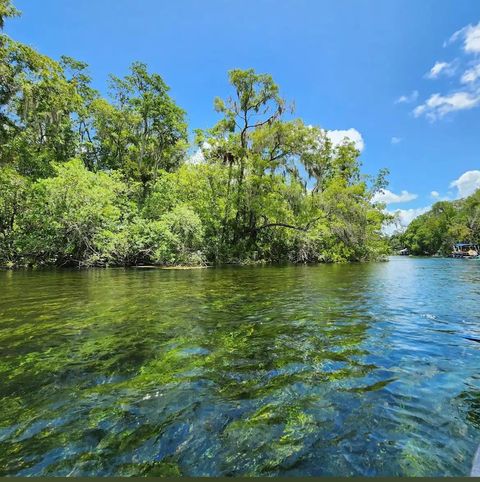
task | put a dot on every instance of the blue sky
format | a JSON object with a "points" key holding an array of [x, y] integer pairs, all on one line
{"points": [[348, 64]]}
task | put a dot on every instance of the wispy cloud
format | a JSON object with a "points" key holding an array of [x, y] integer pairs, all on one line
{"points": [[407, 99], [470, 35], [471, 75], [466, 94], [441, 68], [396, 140], [436, 196], [438, 105], [388, 197]]}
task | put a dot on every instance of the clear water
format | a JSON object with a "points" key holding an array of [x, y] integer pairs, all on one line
{"points": [[321, 370]]}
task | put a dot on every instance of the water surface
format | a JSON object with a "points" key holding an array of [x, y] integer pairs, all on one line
{"points": [[357, 369]]}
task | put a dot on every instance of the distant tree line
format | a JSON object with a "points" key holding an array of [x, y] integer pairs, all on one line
{"points": [[93, 181], [447, 223]]}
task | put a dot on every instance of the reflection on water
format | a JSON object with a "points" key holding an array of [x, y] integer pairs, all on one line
{"points": [[319, 370]]}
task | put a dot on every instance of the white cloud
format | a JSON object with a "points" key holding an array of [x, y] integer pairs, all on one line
{"points": [[407, 99], [339, 136], [406, 216], [396, 140], [439, 105], [467, 183], [471, 75], [403, 217], [445, 68], [467, 93], [388, 197], [435, 195], [470, 36], [198, 157]]}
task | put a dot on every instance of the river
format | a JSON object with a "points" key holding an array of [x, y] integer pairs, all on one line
{"points": [[360, 369]]}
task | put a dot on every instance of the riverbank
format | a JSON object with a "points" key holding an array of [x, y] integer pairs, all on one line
{"points": [[13, 266]]}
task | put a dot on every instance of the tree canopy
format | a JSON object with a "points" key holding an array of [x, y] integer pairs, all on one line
{"points": [[447, 223], [90, 180]]}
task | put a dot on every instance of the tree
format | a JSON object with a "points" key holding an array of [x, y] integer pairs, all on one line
{"points": [[278, 169], [42, 109], [13, 191], [7, 10], [144, 130], [448, 222]]}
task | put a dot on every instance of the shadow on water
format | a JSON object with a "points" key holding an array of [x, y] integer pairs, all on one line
{"points": [[320, 370]]}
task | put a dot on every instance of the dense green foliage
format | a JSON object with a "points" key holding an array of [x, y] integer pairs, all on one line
{"points": [[448, 222], [87, 180]]}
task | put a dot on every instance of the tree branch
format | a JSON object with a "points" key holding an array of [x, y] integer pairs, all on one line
{"points": [[289, 226], [283, 225]]}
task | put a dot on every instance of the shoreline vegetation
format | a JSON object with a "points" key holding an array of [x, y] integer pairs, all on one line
{"points": [[90, 181], [446, 223]]}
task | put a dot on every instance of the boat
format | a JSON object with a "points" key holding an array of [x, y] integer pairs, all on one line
{"points": [[404, 252], [465, 251]]}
